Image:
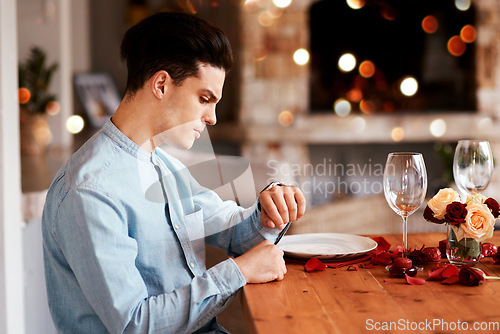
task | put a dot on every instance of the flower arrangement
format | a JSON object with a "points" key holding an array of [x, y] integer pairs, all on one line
{"points": [[470, 223]]}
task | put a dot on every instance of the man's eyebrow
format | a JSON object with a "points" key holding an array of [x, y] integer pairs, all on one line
{"points": [[210, 93]]}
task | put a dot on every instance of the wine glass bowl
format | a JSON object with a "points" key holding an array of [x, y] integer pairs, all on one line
{"points": [[472, 166], [405, 185]]}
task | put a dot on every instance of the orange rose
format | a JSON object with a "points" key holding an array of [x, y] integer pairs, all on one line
{"points": [[441, 200], [479, 223]]}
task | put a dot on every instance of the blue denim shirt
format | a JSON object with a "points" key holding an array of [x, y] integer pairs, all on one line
{"points": [[124, 235]]}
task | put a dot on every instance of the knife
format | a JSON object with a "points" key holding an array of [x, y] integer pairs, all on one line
{"points": [[282, 233]]}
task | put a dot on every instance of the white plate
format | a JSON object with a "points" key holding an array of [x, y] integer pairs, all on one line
{"points": [[331, 246]]}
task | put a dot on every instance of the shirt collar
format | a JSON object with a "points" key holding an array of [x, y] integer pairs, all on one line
{"points": [[124, 142]]}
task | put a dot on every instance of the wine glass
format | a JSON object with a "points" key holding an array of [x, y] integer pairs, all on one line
{"points": [[405, 185], [472, 166]]}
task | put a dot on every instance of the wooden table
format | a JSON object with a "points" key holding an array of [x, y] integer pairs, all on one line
{"points": [[370, 301]]}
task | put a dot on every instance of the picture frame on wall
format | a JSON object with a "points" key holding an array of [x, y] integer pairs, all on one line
{"points": [[98, 93]]}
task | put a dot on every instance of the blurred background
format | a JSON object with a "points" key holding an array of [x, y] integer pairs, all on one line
{"points": [[320, 93]]}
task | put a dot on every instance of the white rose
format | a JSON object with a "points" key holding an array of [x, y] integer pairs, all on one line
{"points": [[475, 198], [479, 222], [441, 200]]}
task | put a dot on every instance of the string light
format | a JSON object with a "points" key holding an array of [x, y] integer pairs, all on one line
{"points": [[285, 118], [282, 3], [301, 57], [342, 107], [437, 127], [367, 69], [409, 86], [347, 62], [398, 134], [430, 24], [75, 124], [456, 46], [355, 4], [468, 33], [462, 5]]}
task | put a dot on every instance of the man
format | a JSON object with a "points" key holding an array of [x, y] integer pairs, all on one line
{"points": [[116, 258]]}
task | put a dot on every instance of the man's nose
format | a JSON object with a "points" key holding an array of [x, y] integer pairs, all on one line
{"points": [[210, 118]]}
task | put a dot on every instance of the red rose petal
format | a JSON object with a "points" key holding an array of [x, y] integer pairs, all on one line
{"points": [[436, 275], [450, 270], [454, 279], [382, 258], [313, 264], [414, 280], [382, 243]]}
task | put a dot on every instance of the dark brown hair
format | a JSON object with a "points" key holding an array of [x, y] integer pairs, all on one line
{"points": [[175, 42]]}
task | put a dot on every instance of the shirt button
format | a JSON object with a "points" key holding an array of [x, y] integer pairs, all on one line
{"points": [[176, 226], [191, 264]]}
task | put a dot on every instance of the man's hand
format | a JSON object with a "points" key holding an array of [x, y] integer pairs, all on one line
{"points": [[280, 205], [263, 263]]}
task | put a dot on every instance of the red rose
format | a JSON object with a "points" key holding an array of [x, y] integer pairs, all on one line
{"points": [[432, 254], [470, 277], [455, 213], [496, 257], [417, 256], [488, 249], [429, 215], [493, 206]]}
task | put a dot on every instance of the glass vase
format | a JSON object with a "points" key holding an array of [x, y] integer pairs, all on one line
{"points": [[466, 251]]}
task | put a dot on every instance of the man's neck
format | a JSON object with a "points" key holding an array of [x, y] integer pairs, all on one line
{"points": [[131, 118]]}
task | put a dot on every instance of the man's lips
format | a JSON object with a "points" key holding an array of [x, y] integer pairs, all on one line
{"points": [[198, 133]]}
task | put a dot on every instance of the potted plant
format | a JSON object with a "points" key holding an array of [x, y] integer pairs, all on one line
{"points": [[35, 101]]}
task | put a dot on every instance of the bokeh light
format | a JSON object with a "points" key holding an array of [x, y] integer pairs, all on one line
{"points": [[356, 4], [485, 123], [265, 19], [342, 107], [398, 134], [456, 46], [438, 127], [347, 62], [409, 86], [53, 108], [24, 95], [358, 124], [354, 95], [301, 57], [41, 132], [430, 24], [389, 13], [462, 5], [260, 53], [75, 124], [282, 3], [366, 106], [468, 34], [367, 69], [285, 118]]}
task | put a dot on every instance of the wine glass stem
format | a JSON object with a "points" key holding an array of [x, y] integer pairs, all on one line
{"points": [[405, 233]]}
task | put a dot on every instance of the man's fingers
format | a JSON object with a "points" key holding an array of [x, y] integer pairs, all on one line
{"points": [[301, 203], [266, 221], [268, 204], [291, 205]]}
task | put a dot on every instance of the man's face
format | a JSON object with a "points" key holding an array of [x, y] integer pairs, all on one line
{"points": [[188, 108]]}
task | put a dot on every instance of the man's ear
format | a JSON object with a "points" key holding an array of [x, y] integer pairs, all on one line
{"points": [[159, 83]]}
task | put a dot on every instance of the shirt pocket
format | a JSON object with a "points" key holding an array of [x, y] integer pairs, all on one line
{"points": [[196, 233], [194, 224]]}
